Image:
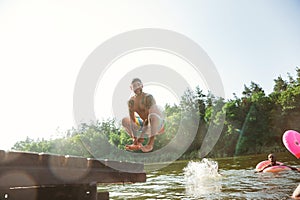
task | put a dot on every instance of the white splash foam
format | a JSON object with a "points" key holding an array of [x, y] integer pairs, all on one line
{"points": [[202, 178]]}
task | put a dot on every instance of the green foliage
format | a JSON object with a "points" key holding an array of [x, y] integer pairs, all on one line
{"points": [[33, 146], [254, 124]]}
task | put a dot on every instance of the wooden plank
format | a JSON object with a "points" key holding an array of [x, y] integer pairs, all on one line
{"points": [[29, 169], [42, 176], [58, 161], [57, 192], [103, 196]]}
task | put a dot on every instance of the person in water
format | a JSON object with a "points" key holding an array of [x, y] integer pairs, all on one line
{"points": [[273, 162], [143, 105], [296, 193]]}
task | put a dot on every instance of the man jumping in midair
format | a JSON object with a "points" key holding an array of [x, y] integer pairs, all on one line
{"points": [[145, 107]]}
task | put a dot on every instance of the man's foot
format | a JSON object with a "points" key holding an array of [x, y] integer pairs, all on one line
{"points": [[147, 148], [140, 140], [137, 141], [133, 147]]}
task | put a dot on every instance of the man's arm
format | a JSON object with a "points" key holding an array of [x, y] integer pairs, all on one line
{"points": [[149, 101], [263, 169], [293, 168], [131, 109], [132, 117]]}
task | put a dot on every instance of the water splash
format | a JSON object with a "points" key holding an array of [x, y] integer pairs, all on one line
{"points": [[202, 178]]}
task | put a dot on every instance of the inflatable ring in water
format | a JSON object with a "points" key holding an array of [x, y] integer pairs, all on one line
{"points": [[291, 140], [276, 168]]}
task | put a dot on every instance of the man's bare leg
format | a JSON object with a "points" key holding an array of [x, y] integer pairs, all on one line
{"points": [[127, 126], [145, 130], [154, 123], [149, 146]]}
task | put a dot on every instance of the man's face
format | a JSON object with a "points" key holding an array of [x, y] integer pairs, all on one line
{"points": [[271, 158], [137, 87]]}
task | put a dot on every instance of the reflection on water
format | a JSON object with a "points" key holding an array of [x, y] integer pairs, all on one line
{"points": [[200, 180]]}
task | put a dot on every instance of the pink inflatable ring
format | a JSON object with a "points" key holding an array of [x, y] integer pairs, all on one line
{"points": [[276, 168], [291, 140]]}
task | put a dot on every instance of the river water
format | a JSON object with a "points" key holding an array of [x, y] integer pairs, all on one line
{"points": [[224, 178]]}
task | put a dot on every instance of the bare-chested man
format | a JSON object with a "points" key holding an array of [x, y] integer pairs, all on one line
{"points": [[273, 162], [145, 107]]}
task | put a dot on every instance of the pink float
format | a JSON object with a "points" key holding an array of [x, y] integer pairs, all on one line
{"points": [[276, 168], [291, 140]]}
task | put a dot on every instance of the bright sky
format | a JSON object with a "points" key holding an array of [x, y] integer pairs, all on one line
{"points": [[44, 43]]}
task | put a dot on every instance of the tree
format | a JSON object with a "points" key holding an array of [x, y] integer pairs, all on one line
{"points": [[280, 85]]}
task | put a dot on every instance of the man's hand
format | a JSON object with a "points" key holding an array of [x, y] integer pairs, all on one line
{"points": [[138, 140]]}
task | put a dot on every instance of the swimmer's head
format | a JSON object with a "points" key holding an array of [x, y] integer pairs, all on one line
{"points": [[272, 158]]}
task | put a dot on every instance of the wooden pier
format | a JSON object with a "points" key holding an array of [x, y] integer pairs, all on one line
{"points": [[32, 176]]}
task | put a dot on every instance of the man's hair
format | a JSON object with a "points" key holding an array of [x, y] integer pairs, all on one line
{"points": [[136, 79]]}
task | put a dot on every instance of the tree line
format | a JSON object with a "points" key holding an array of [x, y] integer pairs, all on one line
{"points": [[253, 123]]}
